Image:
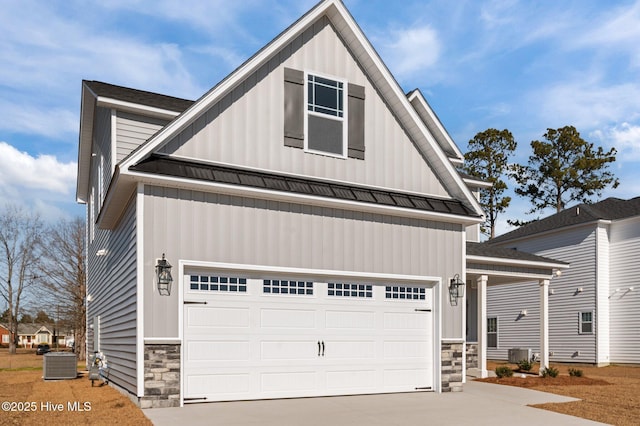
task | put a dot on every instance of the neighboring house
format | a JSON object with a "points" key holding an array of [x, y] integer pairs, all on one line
{"points": [[594, 306], [31, 335], [5, 335]]}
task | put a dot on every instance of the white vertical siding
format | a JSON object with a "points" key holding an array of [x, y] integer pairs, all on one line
{"points": [[111, 283], [602, 295], [575, 246], [220, 228], [625, 304], [246, 127], [132, 131]]}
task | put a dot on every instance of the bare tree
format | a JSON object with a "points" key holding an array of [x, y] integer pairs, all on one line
{"points": [[20, 234], [65, 287]]}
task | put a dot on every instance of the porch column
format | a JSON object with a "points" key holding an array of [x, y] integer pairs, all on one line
{"points": [[482, 324], [544, 324]]}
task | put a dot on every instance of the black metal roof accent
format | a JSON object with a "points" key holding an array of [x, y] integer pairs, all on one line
{"points": [[164, 165], [609, 209], [136, 96]]}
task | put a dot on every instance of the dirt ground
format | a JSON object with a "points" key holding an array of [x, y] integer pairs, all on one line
{"points": [[608, 394], [29, 400]]}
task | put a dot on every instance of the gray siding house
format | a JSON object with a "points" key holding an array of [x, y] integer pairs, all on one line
{"points": [[312, 215], [594, 306]]}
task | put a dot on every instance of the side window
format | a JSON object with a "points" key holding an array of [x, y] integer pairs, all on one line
{"points": [[492, 332], [586, 322], [326, 116]]}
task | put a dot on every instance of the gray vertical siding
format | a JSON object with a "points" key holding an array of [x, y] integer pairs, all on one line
{"points": [[102, 150], [133, 130], [111, 283], [625, 304], [246, 127], [220, 228], [575, 246]]}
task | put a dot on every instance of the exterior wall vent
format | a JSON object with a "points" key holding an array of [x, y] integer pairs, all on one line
{"points": [[59, 365], [519, 354]]}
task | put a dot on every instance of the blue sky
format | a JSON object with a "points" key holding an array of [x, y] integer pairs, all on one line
{"points": [[521, 65]]}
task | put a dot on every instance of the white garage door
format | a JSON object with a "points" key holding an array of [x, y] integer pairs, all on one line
{"points": [[278, 338]]}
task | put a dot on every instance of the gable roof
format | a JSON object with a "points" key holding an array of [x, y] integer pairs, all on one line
{"points": [[124, 182], [433, 123], [609, 209], [141, 97], [169, 166], [488, 251]]}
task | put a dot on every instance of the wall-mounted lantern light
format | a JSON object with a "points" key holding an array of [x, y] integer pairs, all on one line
{"points": [[456, 289], [163, 276]]}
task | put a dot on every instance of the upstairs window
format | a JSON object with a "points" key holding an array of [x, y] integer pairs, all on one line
{"points": [[586, 322], [323, 115], [326, 127]]}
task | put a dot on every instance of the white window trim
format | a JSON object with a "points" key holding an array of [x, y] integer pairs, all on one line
{"points": [[580, 322], [497, 332], [344, 119]]}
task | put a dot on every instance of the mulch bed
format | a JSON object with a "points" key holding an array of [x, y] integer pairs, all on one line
{"points": [[534, 381]]}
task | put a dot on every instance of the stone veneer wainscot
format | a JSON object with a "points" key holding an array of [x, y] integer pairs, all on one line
{"points": [[161, 376], [451, 379]]}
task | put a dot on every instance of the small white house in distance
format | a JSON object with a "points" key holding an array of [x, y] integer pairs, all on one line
{"points": [[594, 306]]}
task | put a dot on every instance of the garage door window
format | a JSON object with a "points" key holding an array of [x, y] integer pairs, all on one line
{"points": [[350, 290], [406, 293], [219, 284], [299, 288]]}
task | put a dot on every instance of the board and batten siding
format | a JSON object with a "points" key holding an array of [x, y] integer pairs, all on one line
{"points": [[624, 303], [577, 247], [246, 127], [101, 161], [132, 130], [111, 285], [207, 227]]}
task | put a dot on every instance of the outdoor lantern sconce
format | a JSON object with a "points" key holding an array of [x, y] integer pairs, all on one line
{"points": [[163, 275], [456, 289]]}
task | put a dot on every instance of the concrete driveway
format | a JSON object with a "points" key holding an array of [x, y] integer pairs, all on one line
{"points": [[479, 404]]}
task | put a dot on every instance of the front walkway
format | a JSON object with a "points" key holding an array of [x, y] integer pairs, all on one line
{"points": [[478, 404]]}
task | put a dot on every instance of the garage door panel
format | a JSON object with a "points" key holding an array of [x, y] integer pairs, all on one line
{"points": [[218, 350], [407, 349], [355, 380], [287, 382], [406, 378], [407, 320], [217, 317], [289, 350], [288, 318], [349, 349], [234, 384], [357, 320]]}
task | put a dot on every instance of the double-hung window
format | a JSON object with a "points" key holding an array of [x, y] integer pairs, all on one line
{"points": [[586, 322], [326, 113]]}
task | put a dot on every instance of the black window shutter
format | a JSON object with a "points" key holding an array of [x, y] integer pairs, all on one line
{"points": [[356, 121], [294, 108]]}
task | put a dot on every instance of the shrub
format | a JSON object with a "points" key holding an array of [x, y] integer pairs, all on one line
{"points": [[525, 365], [504, 371], [550, 372], [574, 372]]}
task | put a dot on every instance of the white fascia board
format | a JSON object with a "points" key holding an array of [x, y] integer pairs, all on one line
{"points": [[417, 95], [266, 194], [85, 141], [515, 275], [516, 262], [309, 273], [132, 107], [477, 183]]}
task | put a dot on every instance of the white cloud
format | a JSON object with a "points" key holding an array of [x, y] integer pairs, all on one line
{"points": [[411, 51], [625, 138], [586, 103], [21, 173]]}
